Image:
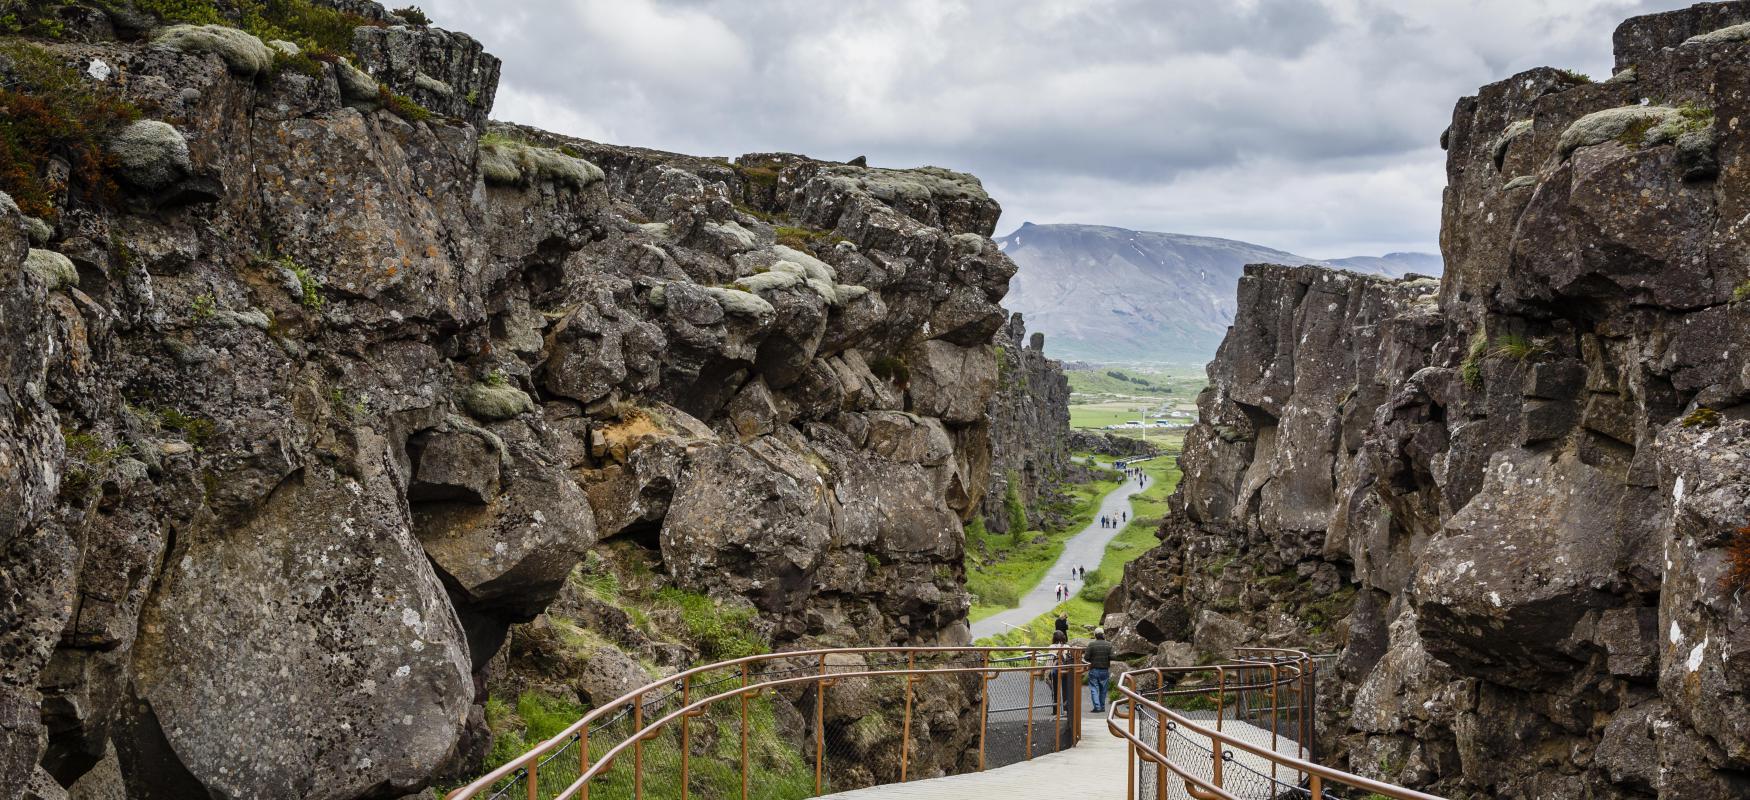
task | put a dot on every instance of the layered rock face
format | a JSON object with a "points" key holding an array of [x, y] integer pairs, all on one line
{"points": [[1029, 426], [292, 435], [1509, 498]]}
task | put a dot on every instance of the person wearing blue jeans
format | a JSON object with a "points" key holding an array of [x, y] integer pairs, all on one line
{"points": [[1098, 656]]}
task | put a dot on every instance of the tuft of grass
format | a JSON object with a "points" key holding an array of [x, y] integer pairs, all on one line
{"points": [[1516, 348], [1471, 370], [1741, 292], [805, 238], [1702, 417], [1575, 76], [50, 110], [720, 634], [401, 105], [197, 430]]}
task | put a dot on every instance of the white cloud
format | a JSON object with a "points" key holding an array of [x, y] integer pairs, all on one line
{"points": [[1297, 124]]}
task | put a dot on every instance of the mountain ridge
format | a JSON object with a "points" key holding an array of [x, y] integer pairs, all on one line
{"points": [[1105, 293]]}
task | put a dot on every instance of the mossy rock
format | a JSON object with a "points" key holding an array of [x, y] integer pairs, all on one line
{"points": [[242, 52], [496, 401], [51, 268], [508, 162], [151, 154]]}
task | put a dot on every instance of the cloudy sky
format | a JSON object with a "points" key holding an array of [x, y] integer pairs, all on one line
{"points": [[1307, 125]]}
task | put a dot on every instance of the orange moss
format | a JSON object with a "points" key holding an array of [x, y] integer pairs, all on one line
{"points": [[1737, 561]]}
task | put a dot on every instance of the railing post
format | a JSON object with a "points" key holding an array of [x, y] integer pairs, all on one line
{"points": [[905, 735], [820, 726], [1031, 657], [637, 748], [1215, 769], [686, 731], [1316, 788], [983, 705], [1220, 693], [533, 784], [1275, 715], [744, 682], [1130, 745]]}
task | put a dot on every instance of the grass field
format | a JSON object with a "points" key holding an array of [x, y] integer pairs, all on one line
{"points": [[1115, 395], [1086, 608]]}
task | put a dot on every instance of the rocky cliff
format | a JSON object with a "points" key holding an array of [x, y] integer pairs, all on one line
{"points": [[1029, 428], [1512, 500], [314, 384]]}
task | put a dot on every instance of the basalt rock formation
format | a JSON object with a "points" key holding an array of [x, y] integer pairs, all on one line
{"points": [[1513, 499], [1029, 428], [318, 383]]}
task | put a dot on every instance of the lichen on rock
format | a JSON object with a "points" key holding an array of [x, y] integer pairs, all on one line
{"points": [[510, 162], [241, 51], [151, 154], [495, 400], [51, 268]]}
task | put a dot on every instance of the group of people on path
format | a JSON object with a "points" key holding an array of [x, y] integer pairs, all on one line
{"points": [[1114, 520], [1097, 655], [1062, 589], [1136, 474]]}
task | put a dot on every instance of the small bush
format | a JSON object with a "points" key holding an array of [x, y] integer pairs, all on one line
{"points": [[1012, 506], [892, 369], [413, 15], [1575, 76]]}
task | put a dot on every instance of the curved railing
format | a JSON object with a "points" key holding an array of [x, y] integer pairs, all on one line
{"points": [[1236, 731], [719, 730]]}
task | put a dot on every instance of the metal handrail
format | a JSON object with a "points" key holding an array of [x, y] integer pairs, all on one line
{"points": [[527, 765], [1290, 669]]}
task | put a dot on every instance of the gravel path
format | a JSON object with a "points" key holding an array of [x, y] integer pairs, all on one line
{"points": [[1082, 550]]}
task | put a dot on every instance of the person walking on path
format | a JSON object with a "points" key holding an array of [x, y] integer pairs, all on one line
{"points": [[1063, 685], [1098, 656]]}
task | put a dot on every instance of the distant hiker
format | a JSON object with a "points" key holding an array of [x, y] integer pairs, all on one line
{"points": [[1126, 515], [1062, 624], [1098, 656]]}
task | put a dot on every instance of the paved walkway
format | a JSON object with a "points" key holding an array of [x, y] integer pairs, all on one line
{"points": [[1092, 769], [1085, 549]]}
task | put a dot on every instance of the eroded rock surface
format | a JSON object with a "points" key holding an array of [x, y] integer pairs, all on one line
{"points": [[304, 419], [1508, 498]]}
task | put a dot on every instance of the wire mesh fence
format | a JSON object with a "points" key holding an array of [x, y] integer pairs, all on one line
{"points": [[807, 724], [1239, 731]]}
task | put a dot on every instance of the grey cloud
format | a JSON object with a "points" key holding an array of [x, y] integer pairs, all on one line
{"points": [[1307, 125]]}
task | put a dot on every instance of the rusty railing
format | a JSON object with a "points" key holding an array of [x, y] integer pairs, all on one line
{"points": [[1235, 731], [760, 726]]}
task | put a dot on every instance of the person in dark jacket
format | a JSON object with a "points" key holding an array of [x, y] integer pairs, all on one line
{"points": [[1098, 656]]}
